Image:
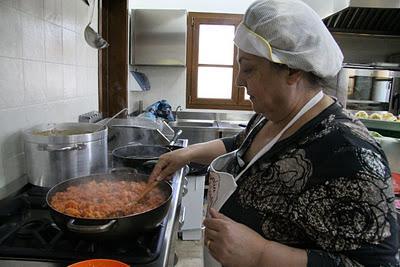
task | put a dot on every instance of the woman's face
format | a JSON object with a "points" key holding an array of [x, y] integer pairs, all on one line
{"points": [[269, 91]]}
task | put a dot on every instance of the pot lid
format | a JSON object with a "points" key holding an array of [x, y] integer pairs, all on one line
{"points": [[65, 133]]}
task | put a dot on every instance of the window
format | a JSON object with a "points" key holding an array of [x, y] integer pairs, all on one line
{"points": [[212, 65]]}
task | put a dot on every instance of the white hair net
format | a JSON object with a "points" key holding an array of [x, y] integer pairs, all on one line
{"points": [[289, 32]]}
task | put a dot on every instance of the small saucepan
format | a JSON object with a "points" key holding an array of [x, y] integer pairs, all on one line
{"points": [[143, 158]]}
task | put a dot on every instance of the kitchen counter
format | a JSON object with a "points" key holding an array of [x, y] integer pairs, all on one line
{"points": [[203, 130]]}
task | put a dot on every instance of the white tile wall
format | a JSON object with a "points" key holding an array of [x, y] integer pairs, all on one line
{"points": [[34, 82], [166, 83], [11, 27], [54, 89], [82, 15], [69, 14], [32, 7], [53, 11], [11, 82], [47, 72], [53, 43], [69, 81], [32, 37], [9, 3], [69, 49], [81, 81]]}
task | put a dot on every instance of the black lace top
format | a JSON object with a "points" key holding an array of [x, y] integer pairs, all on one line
{"points": [[326, 189]]}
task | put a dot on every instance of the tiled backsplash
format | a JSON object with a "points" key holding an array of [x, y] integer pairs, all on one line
{"points": [[47, 71]]}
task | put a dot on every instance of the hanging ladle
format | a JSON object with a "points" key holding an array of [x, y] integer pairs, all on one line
{"points": [[93, 38]]}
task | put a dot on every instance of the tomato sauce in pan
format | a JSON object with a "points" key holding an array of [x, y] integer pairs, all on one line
{"points": [[105, 199]]}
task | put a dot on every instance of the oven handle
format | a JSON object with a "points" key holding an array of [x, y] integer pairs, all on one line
{"points": [[90, 229]]}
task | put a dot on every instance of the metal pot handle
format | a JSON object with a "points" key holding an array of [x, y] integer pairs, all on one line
{"points": [[90, 229], [150, 163], [50, 148]]}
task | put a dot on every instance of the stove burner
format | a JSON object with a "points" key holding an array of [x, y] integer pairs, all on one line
{"points": [[43, 231], [13, 207], [30, 228]]}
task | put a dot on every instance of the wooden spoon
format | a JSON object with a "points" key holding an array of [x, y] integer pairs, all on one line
{"points": [[150, 186]]}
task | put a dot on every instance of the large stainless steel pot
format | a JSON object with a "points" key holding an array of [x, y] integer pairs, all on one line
{"points": [[54, 158]]}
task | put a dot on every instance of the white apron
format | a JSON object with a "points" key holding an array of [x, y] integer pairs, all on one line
{"points": [[222, 184]]}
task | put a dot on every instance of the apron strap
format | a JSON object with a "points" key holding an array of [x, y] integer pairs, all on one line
{"points": [[247, 142], [309, 105]]}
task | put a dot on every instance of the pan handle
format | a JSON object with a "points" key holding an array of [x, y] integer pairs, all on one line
{"points": [[90, 229], [150, 163]]}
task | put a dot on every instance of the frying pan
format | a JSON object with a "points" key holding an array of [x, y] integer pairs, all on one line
{"points": [[140, 157], [111, 228]]}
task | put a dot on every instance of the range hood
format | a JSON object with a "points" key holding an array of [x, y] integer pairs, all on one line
{"points": [[380, 17]]}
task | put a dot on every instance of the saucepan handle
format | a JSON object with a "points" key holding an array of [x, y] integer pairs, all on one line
{"points": [[90, 229], [150, 163]]}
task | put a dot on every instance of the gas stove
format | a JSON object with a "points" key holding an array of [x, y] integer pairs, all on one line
{"points": [[29, 237]]}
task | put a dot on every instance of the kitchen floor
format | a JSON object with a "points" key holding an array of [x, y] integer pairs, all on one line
{"points": [[190, 253]]}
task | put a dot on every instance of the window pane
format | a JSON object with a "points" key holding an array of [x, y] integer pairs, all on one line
{"points": [[214, 82], [216, 44]]}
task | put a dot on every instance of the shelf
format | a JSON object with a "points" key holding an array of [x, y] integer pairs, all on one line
{"points": [[381, 66], [386, 128], [365, 101]]}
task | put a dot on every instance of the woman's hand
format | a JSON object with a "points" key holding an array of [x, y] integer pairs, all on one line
{"points": [[202, 153], [169, 163], [231, 243]]}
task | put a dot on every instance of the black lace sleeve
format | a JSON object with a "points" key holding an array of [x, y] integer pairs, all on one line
{"points": [[382, 254], [350, 216]]}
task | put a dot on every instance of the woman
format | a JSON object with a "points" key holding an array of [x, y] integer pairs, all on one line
{"points": [[304, 184]]}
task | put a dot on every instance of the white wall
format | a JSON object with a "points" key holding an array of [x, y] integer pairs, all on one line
{"points": [[170, 82], [47, 72]]}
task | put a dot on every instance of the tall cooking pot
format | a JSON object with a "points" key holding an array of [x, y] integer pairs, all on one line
{"points": [[59, 151]]}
